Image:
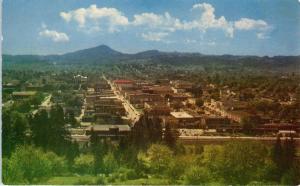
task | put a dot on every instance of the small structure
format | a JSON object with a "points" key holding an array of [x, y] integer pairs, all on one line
{"points": [[213, 122], [185, 120], [80, 79], [124, 83], [109, 130], [23, 95]]}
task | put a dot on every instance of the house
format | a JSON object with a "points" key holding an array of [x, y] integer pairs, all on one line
{"points": [[101, 86], [176, 97], [213, 122], [140, 97], [181, 86], [124, 84], [161, 90], [80, 79], [185, 120], [157, 108]]}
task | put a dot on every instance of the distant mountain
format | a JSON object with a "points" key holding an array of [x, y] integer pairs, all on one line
{"points": [[104, 54], [99, 54], [148, 54]]}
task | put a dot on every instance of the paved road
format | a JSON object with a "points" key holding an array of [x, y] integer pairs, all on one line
{"points": [[8, 103], [222, 139], [79, 118], [46, 104], [132, 113]]}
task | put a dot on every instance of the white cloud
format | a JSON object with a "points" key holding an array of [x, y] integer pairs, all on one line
{"points": [[54, 35], [190, 41], [162, 22], [208, 20], [93, 18], [154, 36], [166, 22], [262, 36], [250, 24], [211, 43]]}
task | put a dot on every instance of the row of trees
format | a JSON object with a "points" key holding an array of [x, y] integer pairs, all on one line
{"points": [[38, 148], [45, 130], [233, 163]]}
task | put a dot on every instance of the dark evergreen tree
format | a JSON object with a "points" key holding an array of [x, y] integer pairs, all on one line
{"points": [[289, 150], [146, 131], [277, 156], [170, 136], [14, 125]]}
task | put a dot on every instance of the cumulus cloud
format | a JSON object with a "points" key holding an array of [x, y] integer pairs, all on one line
{"points": [[93, 18], [250, 24], [208, 20], [163, 22], [154, 36], [54, 35]]}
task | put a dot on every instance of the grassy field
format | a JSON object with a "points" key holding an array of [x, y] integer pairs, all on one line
{"points": [[90, 180]]}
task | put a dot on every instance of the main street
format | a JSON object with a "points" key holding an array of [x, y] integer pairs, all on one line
{"points": [[132, 113], [46, 104]]}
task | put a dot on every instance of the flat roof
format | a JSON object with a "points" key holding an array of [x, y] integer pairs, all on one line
{"points": [[181, 115], [107, 127], [123, 81]]}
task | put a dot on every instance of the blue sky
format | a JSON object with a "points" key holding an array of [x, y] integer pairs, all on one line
{"points": [[242, 27]]}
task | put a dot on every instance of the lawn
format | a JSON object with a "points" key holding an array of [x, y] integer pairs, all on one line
{"points": [[90, 180]]}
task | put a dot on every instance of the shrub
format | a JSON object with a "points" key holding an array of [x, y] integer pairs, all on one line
{"points": [[84, 164], [197, 176], [58, 164], [110, 163], [128, 174], [29, 164], [83, 181], [159, 157], [100, 180]]}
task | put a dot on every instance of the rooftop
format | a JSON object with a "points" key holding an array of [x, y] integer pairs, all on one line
{"points": [[107, 127], [123, 81], [181, 115]]}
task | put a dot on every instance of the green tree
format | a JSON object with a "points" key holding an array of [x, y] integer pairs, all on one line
{"points": [[277, 157], [41, 128], [14, 128], [98, 149], [30, 165], [146, 131], [110, 163], [84, 164], [236, 162], [159, 157], [197, 176], [49, 131], [170, 136]]}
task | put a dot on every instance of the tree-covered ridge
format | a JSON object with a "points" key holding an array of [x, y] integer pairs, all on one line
{"points": [[105, 55]]}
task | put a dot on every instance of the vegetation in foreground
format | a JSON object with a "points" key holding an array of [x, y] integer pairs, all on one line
{"points": [[50, 158]]}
